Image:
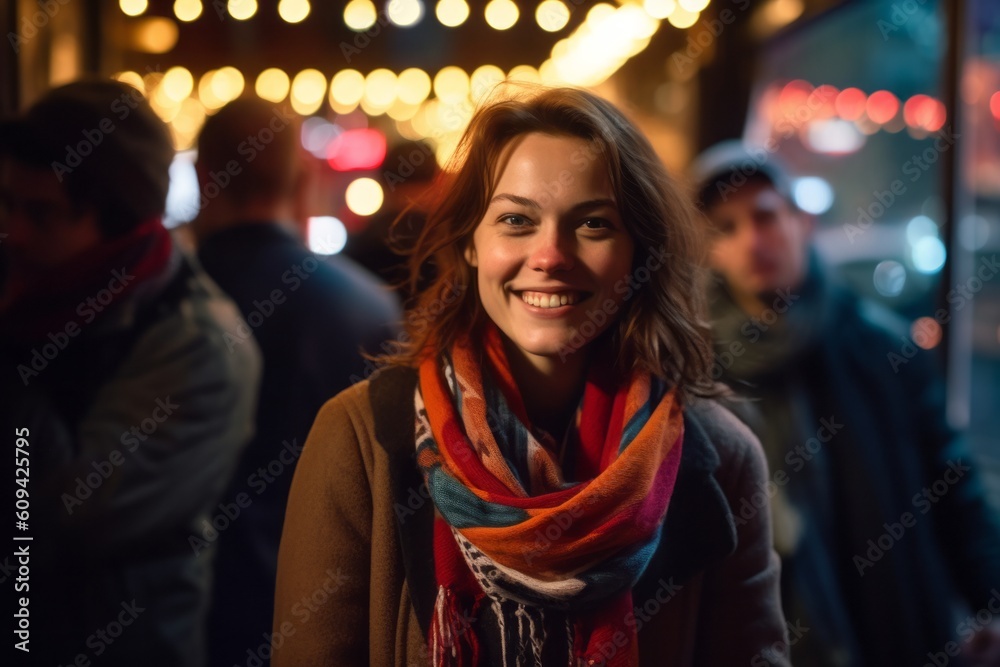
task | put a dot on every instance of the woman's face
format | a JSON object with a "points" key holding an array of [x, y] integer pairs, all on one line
{"points": [[552, 252]]}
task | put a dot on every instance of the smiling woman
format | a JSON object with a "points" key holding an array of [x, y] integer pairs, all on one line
{"points": [[543, 460]]}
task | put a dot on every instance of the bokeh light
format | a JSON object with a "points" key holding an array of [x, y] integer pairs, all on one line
{"points": [[272, 85], [405, 13], [882, 106], [889, 278], [187, 10], [133, 7], [226, 84], [451, 84], [452, 13], [659, 9], [552, 15], [326, 235], [693, 5], [133, 79], [413, 85], [484, 80], [926, 332], [293, 11], [308, 90], [241, 10], [928, 255], [683, 18], [380, 89], [364, 196], [347, 88], [501, 14], [850, 103], [360, 15], [813, 194], [154, 34], [177, 83]]}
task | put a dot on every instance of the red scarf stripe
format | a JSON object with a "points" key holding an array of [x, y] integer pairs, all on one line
{"points": [[37, 303]]}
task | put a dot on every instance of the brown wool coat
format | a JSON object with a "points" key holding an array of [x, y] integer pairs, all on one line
{"points": [[356, 574]]}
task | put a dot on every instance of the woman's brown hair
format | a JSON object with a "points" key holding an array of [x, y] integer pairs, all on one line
{"points": [[661, 328]]}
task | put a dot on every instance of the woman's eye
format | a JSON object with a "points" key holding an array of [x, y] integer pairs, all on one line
{"points": [[596, 223], [514, 220]]}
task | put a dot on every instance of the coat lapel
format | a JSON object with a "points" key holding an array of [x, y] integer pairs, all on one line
{"points": [[391, 396]]}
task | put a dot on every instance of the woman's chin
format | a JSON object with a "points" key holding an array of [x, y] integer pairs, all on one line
{"points": [[560, 347]]}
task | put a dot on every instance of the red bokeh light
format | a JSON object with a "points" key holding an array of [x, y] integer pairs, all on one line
{"points": [[850, 103], [882, 106], [995, 105], [359, 149], [823, 101], [924, 112], [793, 98]]}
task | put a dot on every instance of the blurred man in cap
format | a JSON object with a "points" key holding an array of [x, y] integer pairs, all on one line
{"points": [[115, 374], [880, 517]]}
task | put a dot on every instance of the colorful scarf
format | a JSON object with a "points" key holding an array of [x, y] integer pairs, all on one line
{"points": [[520, 530], [33, 306]]}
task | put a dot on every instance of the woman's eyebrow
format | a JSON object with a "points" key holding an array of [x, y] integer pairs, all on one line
{"points": [[591, 204], [517, 199], [527, 202]]}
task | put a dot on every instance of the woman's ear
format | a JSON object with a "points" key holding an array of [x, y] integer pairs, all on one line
{"points": [[470, 255]]}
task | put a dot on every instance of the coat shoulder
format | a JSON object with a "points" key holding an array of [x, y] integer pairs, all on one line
{"points": [[732, 440]]}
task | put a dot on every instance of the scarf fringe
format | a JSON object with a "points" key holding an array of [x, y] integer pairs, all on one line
{"points": [[453, 643]]}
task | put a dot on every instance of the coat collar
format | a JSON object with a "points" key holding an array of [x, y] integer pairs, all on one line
{"points": [[692, 539]]}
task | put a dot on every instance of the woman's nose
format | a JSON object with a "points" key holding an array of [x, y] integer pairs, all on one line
{"points": [[553, 250]]}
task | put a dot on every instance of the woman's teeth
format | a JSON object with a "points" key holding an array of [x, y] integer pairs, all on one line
{"points": [[546, 300]]}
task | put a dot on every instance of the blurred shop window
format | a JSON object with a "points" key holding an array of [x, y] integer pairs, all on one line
{"points": [[975, 282], [864, 141], [854, 103]]}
